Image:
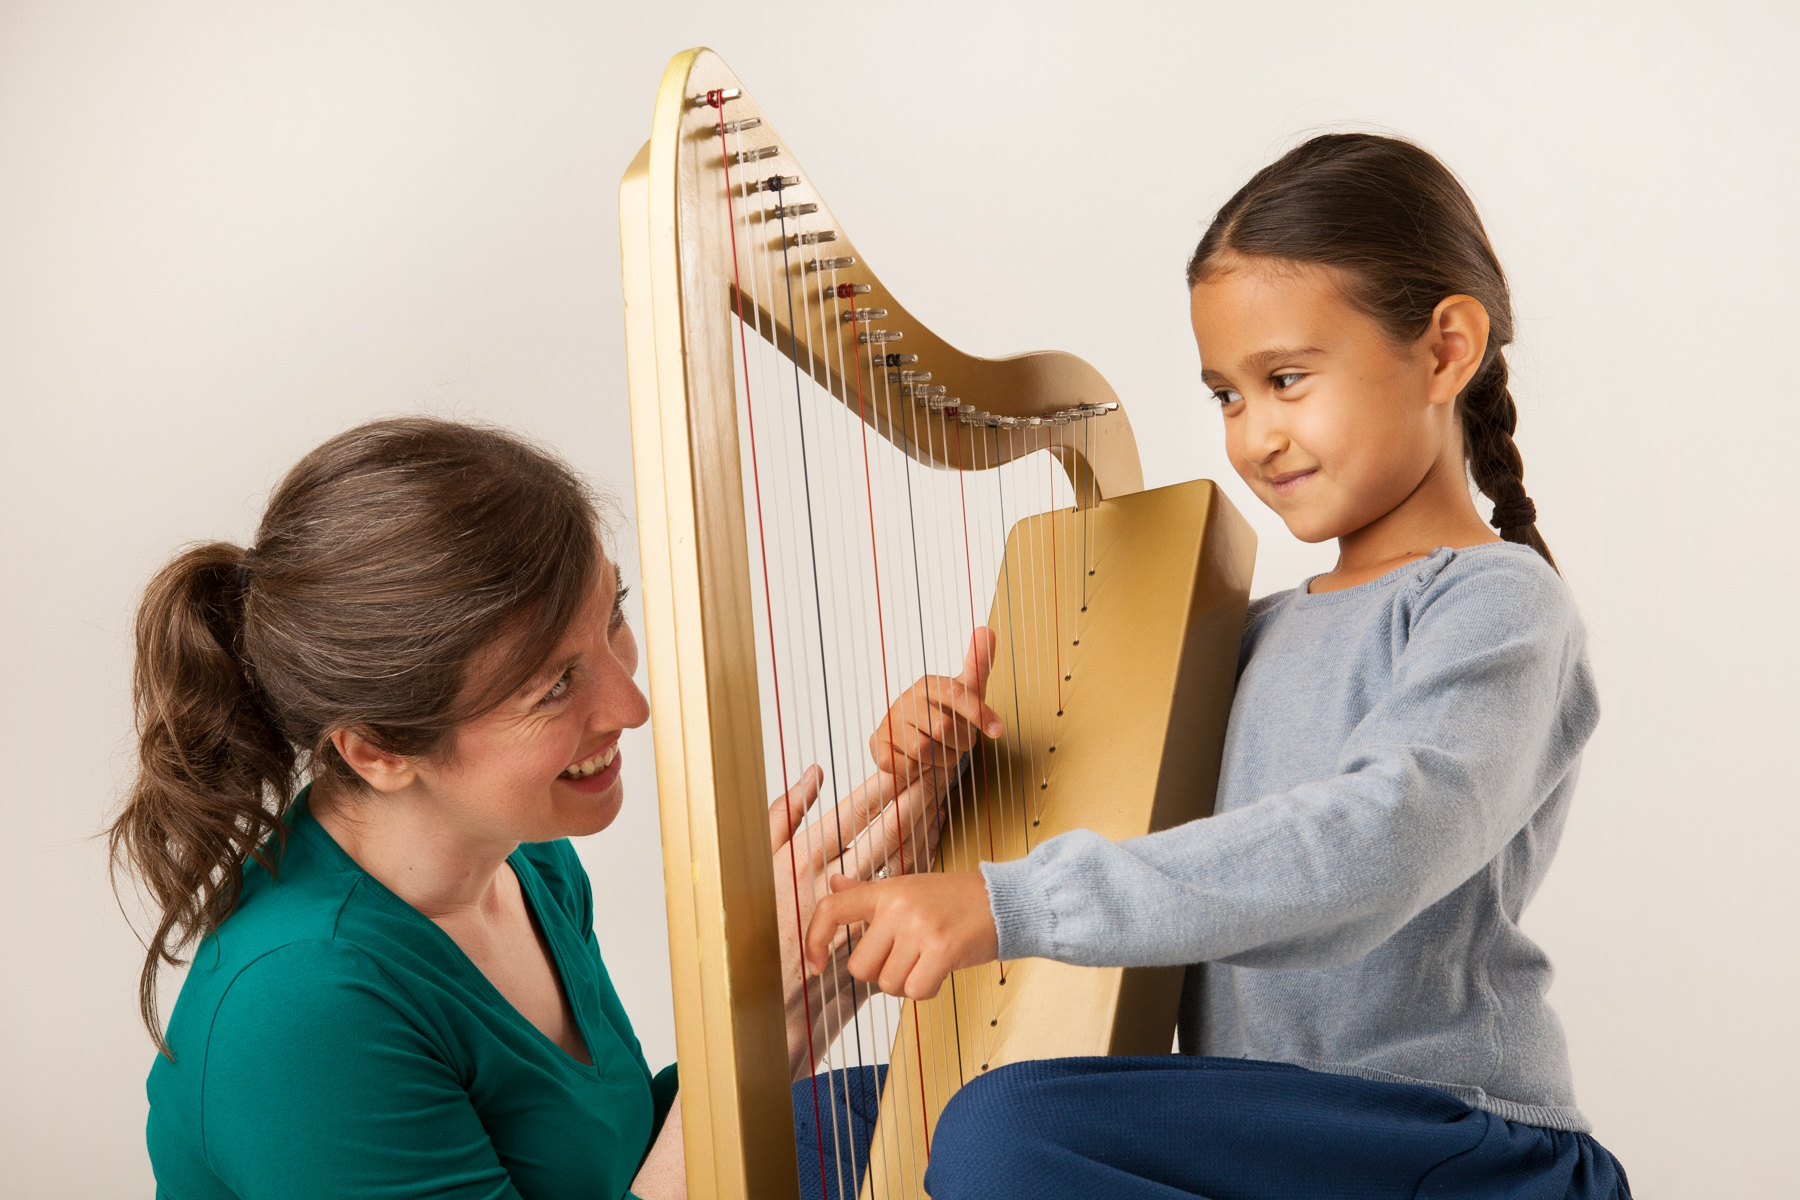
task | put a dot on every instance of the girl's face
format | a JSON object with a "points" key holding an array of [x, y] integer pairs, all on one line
{"points": [[545, 764], [1330, 423]]}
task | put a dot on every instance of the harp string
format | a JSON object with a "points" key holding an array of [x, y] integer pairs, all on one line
{"points": [[731, 222], [844, 561]]}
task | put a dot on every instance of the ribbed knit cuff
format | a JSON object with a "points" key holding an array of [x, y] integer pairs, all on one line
{"points": [[1020, 898]]}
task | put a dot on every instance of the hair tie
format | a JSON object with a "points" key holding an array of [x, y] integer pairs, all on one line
{"points": [[1514, 514], [243, 571]]}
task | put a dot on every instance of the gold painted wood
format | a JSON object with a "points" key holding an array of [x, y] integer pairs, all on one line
{"points": [[1149, 668], [1154, 675]]}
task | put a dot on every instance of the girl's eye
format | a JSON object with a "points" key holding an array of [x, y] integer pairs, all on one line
{"points": [[1284, 382], [1226, 397], [560, 689]]}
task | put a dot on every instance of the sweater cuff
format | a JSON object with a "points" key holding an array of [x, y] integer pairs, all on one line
{"points": [[1020, 899]]}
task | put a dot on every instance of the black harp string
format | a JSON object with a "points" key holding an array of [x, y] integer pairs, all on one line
{"points": [[908, 448], [897, 604], [941, 597], [825, 418], [743, 339]]}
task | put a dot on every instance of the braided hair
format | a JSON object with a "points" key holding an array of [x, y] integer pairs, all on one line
{"points": [[1405, 234]]}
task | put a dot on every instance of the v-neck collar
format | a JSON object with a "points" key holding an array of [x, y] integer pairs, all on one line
{"points": [[540, 909]]}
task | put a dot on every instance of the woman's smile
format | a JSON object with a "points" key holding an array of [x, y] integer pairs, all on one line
{"points": [[596, 773]]}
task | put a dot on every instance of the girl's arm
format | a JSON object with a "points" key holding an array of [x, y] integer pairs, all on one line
{"points": [[1491, 704]]}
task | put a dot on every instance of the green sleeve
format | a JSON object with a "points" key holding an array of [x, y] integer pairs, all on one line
{"points": [[662, 1094], [318, 1084]]}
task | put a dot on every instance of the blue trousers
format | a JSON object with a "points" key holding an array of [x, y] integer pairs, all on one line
{"points": [[1184, 1128]]}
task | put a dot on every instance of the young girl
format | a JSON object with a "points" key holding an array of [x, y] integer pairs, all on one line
{"points": [[1368, 1019]]}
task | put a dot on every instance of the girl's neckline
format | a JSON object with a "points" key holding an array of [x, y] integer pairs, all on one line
{"points": [[1423, 567]]}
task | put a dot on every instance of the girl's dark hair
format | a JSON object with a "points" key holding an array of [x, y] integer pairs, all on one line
{"points": [[1405, 235], [388, 559]]}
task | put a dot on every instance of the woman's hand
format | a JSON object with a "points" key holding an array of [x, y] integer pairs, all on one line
{"points": [[927, 729], [916, 930], [877, 829]]}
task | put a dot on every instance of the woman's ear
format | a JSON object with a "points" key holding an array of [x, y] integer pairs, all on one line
{"points": [[381, 770], [1457, 341]]}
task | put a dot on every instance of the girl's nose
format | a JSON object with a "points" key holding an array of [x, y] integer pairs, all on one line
{"points": [[1263, 431]]}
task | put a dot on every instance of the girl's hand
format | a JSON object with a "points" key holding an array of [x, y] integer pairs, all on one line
{"points": [[936, 719], [917, 929], [877, 828]]}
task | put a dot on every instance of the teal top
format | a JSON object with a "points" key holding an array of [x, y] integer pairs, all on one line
{"points": [[330, 1040]]}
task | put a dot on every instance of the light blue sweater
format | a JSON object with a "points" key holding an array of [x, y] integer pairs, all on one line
{"points": [[1398, 767]]}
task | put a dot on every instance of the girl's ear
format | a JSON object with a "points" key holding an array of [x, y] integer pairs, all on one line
{"points": [[381, 770], [1457, 340]]}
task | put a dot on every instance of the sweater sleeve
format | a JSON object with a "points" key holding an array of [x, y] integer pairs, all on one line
{"points": [[317, 1084], [1490, 706]]}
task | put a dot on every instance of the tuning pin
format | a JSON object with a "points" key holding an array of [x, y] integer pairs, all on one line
{"points": [[831, 264], [864, 314], [717, 97], [784, 211], [813, 238], [876, 337], [843, 291], [775, 183], [740, 126], [909, 376], [896, 360], [756, 154]]}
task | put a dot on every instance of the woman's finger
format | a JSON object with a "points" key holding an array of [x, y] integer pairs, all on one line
{"points": [[789, 809]]}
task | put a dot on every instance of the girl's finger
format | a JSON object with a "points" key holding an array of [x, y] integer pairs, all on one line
{"points": [[869, 960], [892, 976], [925, 979], [842, 907]]}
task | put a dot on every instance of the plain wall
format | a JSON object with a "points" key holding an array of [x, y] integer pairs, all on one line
{"points": [[229, 230]]}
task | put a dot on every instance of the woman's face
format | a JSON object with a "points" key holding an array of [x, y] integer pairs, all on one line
{"points": [[545, 764], [1330, 423]]}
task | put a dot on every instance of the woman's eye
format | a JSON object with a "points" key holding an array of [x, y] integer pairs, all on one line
{"points": [[560, 688], [1284, 382], [618, 613], [1226, 397]]}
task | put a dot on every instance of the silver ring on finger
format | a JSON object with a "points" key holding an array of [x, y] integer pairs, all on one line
{"points": [[882, 873]]}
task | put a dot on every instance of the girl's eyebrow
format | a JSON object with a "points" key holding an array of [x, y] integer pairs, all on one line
{"points": [[1263, 359], [1256, 363]]}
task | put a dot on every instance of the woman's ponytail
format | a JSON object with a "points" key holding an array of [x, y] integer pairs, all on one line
{"points": [[1489, 417], [214, 770]]}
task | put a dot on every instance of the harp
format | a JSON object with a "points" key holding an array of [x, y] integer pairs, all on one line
{"points": [[830, 498]]}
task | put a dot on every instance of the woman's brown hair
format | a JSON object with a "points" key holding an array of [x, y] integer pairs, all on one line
{"points": [[1405, 235], [386, 561]]}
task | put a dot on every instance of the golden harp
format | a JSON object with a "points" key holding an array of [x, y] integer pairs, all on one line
{"points": [[830, 497]]}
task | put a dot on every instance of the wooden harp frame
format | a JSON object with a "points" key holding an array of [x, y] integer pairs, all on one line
{"points": [[1181, 585]]}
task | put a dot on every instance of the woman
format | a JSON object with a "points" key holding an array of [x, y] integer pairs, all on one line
{"points": [[397, 988]]}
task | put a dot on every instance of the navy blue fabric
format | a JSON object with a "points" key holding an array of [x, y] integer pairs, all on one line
{"points": [[848, 1103], [1175, 1126]]}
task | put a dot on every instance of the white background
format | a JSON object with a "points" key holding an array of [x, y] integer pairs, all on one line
{"points": [[229, 230]]}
